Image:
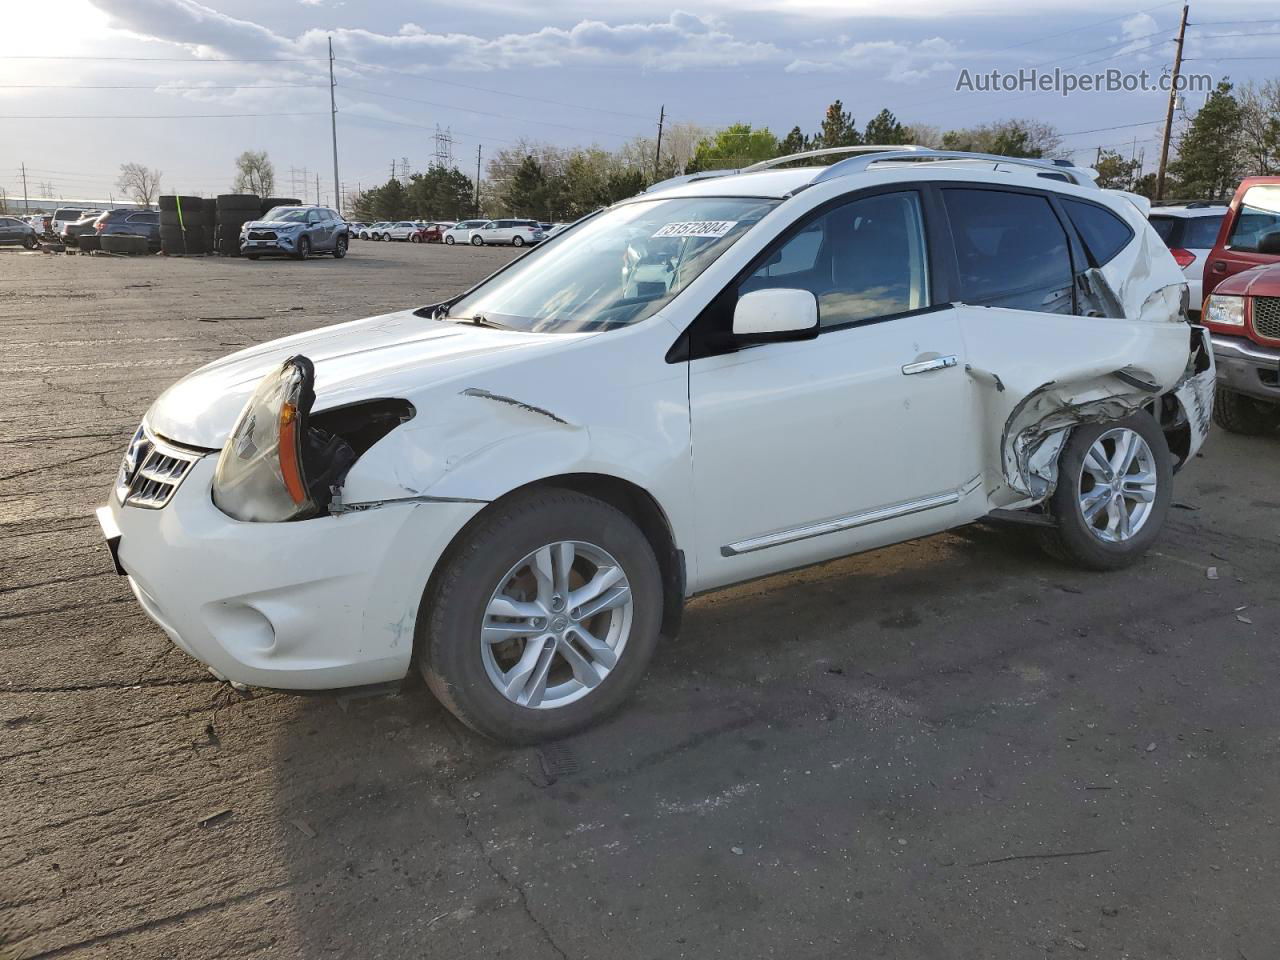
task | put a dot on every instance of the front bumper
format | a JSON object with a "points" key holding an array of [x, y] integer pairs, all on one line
{"points": [[283, 243], [314, 604], [1246, 367]]}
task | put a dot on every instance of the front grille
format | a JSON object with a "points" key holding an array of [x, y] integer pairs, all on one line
{"points": [[262, 235], [152, 471], [1266, 317]]}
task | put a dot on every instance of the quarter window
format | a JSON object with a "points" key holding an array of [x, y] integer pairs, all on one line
{"points": [[1011, 250], [863, 259], [1104, 234]]}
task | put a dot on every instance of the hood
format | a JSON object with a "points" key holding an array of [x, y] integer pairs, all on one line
{"points": [[1257, 282], [396, 355], [272, 224]]}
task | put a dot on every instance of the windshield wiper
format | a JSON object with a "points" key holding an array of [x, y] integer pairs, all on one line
{"points": [[480, 320]]}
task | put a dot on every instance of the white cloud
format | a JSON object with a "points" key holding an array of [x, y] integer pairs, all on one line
{"points": [[897, 61]]}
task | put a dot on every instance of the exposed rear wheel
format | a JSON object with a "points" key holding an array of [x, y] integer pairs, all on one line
{"points": [[1236, 413], [1115, 483], [543, 619]]}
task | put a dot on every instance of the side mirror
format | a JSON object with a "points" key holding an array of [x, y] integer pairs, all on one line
{"points": [[774, 316], [1269, 243]]}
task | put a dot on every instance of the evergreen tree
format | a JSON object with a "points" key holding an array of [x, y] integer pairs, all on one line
{"points": [[793, 142], [735, 146], [527, 192], [885, 128], [838, 128], [1208, 161]]}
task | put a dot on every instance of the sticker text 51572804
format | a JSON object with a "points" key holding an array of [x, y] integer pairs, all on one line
{"points": [[711, 229]]}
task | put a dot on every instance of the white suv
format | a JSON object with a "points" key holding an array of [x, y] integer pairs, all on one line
{"points": [[518, 233], [729, 376], [461, 232], [1190, 230]]}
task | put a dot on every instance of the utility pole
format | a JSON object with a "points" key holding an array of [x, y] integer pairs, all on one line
{"points": [[657, 153], [479, 150], [317, 189], [333, 122], [26, 207], [1173, 99]]}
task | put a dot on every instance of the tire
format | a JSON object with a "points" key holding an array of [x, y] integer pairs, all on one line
{"points": [[124, 243], [90, 243], [251, 256], [414, 238], [340, 248], [304, 248], [449, 241], [1236, 413], [458, 664], [29, 242], [477, 242], [1085, 543], [386, 237], [517, 241]]}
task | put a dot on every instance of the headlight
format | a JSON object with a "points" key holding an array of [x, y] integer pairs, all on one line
{"points": [[261, 473], [1225, 310]]}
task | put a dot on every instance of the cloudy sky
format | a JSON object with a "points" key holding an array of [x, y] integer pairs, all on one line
{"points": [[86, 85]]}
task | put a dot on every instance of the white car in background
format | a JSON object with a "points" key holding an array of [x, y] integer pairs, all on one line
{"points": [[1190, 230], [461, 232], [518, 233], [399, 230], [500, 490]]}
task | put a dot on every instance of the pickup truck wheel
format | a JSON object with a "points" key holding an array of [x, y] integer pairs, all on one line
{"points": [[1115, 484], [1236, 413], [542, 619]]}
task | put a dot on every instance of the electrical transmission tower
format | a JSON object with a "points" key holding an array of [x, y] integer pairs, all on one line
{"points": [[443, 153]]}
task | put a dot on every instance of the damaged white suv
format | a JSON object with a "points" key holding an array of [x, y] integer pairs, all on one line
{"points": [[733, 374]]}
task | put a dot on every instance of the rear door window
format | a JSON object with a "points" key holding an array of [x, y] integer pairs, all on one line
{"points": [[1259, 215], [1011, 250], [1104, 234], [1168, 229], [1201, 233]]}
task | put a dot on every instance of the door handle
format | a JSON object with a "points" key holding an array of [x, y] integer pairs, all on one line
{"points": [[925, 366]]}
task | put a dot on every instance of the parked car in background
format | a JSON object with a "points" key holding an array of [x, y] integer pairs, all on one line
{"points": [[461, 232], [71, 232], [41, 221], [500, 489], [63, 216], [354, 227], [400, 230], [138, 223], [432, 232], [296, 232], [518, 233], [552, 230], [370, 231], [1189, 231], [14, 230], [1250, 232]]}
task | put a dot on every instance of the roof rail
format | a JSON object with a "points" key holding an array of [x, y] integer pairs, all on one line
{"points": [[830, 152], [859, 164], [688, 178]]}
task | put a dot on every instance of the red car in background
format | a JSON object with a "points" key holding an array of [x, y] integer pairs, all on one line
{"points": [[1242, 308], [432, 232]]}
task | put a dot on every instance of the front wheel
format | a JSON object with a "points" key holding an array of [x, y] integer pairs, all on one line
{"points": [[1236, 413], [1115, 484], [543, 619], [340, 248], [449, 241], [304, 248], [29, 242], [477, 242]]}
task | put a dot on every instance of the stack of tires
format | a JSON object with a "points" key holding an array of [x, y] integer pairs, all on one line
{"points": [[182, 226], [90, 242], [234, 210], [270, 202]]}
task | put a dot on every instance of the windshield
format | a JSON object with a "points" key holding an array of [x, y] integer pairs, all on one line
{"points": [[288, 214], [615, 269]]}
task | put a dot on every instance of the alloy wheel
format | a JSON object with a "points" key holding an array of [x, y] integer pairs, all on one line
{"points": [[556, 625], [1117, 485]]}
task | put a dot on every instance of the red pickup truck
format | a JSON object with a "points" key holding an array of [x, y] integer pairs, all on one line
{"points": [[1242, 309]]}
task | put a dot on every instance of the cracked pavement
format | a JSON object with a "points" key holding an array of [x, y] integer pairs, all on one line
{"points": [[952, 748]]}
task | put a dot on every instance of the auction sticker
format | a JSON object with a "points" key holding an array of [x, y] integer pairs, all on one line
{"points": [[713, 229]]}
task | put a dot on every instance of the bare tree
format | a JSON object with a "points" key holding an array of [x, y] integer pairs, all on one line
{"points": [[139, 183], [255, 173]]}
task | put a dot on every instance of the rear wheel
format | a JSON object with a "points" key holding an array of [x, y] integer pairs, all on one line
{"points": [[29, 241], [1115, 483], [543, 619], [1236, 413], [477, 242], [517, 241], [415, 238]]}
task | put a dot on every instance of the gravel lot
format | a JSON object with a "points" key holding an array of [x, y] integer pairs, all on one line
{"points": [[953, 748]]}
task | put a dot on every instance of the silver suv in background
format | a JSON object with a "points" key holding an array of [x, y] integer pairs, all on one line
{"points": [[296, 232], [518, 233], [1190, 230]]}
